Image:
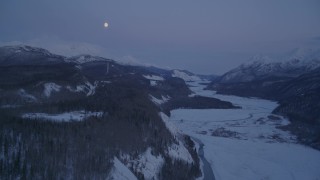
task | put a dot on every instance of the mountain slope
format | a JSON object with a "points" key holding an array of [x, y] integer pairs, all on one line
{"points": [[83, 112], [111, 102], [26, 55]]}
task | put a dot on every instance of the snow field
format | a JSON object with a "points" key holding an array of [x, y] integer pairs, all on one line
{"points": [[120, 171], [246, 143], [157, 101]]}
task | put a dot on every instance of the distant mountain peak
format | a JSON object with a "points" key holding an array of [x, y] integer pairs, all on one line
{"points": [[25, 48], [295, 63], [27, 55]]}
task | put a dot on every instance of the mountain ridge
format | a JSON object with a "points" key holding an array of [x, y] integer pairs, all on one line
{"points": [[261, 67]]}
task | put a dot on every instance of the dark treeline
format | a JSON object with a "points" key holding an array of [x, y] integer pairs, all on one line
{"points": [[196, 102], [35, 149]]}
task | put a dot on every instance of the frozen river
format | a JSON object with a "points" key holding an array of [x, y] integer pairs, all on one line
{"points": [[246, 143]]}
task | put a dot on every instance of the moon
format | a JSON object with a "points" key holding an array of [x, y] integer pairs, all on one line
{"points": [[105, 24]]}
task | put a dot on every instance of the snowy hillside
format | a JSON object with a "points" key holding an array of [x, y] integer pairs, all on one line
{"points": [[26, 55], [20, 49], [120, 171], [186, 76]]}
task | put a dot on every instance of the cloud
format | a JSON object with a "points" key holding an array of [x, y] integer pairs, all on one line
{"points": [[315, 41], [129, 60]]}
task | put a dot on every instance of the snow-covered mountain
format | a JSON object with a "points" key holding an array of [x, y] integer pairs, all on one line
{"points": [[27, 55], [62, 47], [259, 67], [293, 82]]}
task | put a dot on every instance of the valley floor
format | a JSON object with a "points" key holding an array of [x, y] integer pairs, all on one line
{"points": [[246, 143]]}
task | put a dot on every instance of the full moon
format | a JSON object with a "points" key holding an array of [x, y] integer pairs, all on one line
{"points": [[105, 24]]}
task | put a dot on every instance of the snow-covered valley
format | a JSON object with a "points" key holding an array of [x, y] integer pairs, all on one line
{"points": [[246, 143]]}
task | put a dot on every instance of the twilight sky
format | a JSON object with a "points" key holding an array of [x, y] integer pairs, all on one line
{"points": [[205, 36]]}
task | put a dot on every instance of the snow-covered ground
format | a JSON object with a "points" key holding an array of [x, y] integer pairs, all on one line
{"points": [[176, 151], [246, 143], [25, 95], [120, 171], [154, 77], [49, 88], [87, 88], [159, 101], [63, 117], [147, 163]]}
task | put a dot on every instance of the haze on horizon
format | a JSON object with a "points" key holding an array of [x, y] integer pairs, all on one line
{"points": [[206, 37]]}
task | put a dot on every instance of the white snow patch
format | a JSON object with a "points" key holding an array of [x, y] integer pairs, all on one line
{"points": [[157, 101], [171, 127], [91, 88], [178, 151], [82, 59], [63, 117], [78, 88], [78, 67], [120, 171], [27, 96], [87, 88], [153, 77], [185, 76], [50, 87], [147, 164], [153, 83]]}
